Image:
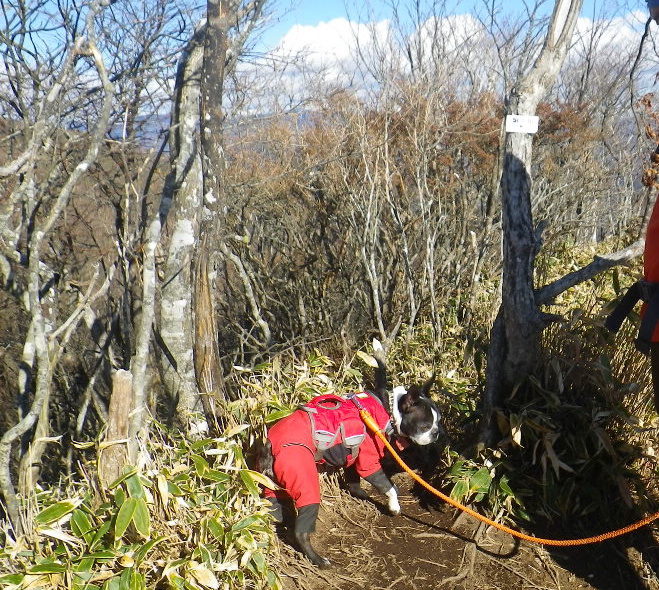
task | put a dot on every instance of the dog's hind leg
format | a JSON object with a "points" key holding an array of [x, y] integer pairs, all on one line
{"points": [[305, 524], [276, 510]]}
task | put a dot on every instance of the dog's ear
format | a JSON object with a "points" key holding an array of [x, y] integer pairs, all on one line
{"points": [[408, 401], [414, 394], [425, 388]]}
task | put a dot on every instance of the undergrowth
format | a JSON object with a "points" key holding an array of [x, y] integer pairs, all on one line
{"points": [[576, 438], [192, 520]]}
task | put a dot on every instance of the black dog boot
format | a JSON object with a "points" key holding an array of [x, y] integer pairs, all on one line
{"points": [[276, 510], [353, 483], [305, 524]]}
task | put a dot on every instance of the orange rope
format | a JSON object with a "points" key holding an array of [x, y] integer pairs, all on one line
{"points": [[370, 422]]}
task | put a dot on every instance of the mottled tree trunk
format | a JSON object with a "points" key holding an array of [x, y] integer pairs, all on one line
{"points": [[515, 338], [195, 194], [181, 205]]}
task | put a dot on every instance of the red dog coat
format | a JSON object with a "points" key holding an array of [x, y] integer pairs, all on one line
{"points": [[294, 449]]}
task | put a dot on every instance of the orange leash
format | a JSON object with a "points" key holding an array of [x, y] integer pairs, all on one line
{"points": [[370, 422]]}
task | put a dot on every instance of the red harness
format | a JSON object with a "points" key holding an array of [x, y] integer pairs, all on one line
{"points": [[337, 428]]}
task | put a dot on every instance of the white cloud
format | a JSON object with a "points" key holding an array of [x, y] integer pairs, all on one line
{"points": [[326, 41], [331, 46], [454, 51]]}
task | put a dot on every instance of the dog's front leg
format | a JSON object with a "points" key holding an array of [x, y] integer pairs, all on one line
{"points": [[383, 485], [305, 524]]}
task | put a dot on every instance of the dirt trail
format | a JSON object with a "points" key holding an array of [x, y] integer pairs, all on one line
{"points": [[435, 548]]}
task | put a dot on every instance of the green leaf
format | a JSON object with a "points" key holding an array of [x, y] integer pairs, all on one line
{"points": [[276, 416], [203, 575], [124, 517], [480, 481], [505, 487], [273, 581], [141, 518], [200, 445], [135, 487], [142, 552], [81, 526], [111, 584], [137, 581], [100, 534], [56, 511], [244, 523], [205, 554], [119, 497], [216, 529], [129, 473], [236, 430], [460, 490], [173, 489], [86, 564], [11, 579], [216, 476], [201, 465], [246, 540], [249, 482], [125, 579], [456, 468], [261, 479], [177, 582], [47, 568], [259, 562], [81, 580]]}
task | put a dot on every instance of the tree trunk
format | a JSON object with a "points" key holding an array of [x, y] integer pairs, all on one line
{"points": [[181, 205], [220, 15], [515, 338]]}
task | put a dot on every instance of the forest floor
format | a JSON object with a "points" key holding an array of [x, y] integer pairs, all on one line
{"points": [[430, 546]]}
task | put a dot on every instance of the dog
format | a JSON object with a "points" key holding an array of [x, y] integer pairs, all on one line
{"points": [[328, 430]]}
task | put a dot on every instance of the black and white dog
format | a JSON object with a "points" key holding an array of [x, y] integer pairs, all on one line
{"points": [[328, 430]]}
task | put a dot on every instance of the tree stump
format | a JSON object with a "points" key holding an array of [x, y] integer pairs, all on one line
{"points": [[114, 451]]}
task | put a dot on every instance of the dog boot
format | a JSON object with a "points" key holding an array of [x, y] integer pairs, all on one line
{"points": [[276, 510], [353, 483], [305, 524]]}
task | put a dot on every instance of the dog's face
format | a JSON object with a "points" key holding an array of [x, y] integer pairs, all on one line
{"points": [[415, 415]]}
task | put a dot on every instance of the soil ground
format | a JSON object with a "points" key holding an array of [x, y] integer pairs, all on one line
{"points": [[433, 547]]}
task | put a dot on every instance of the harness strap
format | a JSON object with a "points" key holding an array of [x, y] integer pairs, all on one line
{"points": [[629, 300], [649, 293], [648, 324]]}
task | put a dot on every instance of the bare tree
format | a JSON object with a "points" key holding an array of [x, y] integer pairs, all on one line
{"points": [[197, 187], [515, 337], [43, 201]]}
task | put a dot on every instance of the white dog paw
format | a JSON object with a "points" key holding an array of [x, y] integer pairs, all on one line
{"points": [[394, 506]]}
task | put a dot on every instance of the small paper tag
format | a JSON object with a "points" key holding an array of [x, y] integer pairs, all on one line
{"points": [[522, 123]]}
